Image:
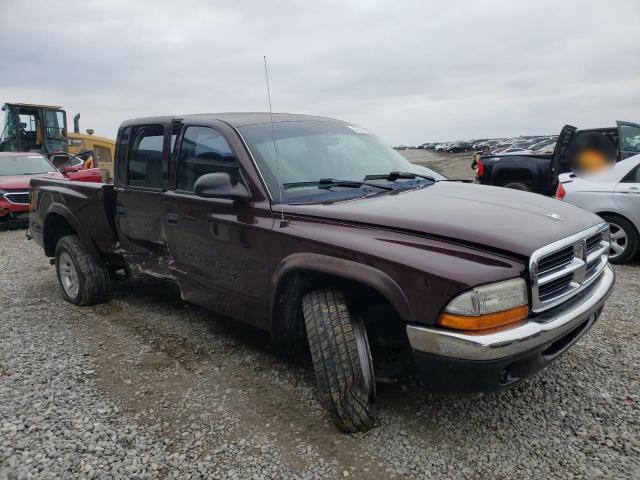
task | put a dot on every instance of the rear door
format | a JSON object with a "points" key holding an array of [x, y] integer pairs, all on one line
{"points": [[141, 182], [629, 134]]}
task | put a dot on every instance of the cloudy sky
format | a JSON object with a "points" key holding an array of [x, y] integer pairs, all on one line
{"points": [[411, 71]]}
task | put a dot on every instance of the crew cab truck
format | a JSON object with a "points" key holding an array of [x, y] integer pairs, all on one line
{"points": [[315, 230], [539, 173]]}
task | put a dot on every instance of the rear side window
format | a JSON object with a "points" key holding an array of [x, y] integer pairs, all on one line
{"points": [[203, 150], [145, 167]]}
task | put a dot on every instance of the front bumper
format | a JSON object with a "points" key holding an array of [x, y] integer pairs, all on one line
{"points": [[451, 361]]}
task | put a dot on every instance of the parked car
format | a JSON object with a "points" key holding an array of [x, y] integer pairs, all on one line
{"points": [[16, 170], [72, 168], [539, 172], [615, 196], [459, 147], [315, 231]]}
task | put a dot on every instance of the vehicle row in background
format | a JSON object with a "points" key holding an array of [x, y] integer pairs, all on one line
{"points": [[539, 172], [505, 146], [43, 129], [18, 168]]}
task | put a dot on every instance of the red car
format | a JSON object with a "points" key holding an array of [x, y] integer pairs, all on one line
{"points": [[16, 171]]}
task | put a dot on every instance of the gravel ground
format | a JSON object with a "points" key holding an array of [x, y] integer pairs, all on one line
{"points": [[150, 387]]}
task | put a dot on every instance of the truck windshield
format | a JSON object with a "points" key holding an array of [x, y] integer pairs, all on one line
{"points": [[311, 150], [25, 165]]}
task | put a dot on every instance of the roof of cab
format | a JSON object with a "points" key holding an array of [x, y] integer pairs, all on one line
{"points": [[239, 119]]}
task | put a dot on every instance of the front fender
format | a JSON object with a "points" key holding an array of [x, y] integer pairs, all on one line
{"points": [[348, 269]]}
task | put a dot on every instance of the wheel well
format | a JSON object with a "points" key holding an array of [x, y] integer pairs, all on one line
{"points": [[384, 324], [55, 227], [614, 214], [515, 176]]}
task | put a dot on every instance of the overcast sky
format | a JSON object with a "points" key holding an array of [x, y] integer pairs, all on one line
{"points": [[409, 71]]}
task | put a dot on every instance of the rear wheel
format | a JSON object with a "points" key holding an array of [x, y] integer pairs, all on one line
{"points": [[518, 186], [83, 279], [341, 359], [623, 240]]}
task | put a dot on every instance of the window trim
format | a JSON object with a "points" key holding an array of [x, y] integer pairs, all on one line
{"points": [[178, 150], [135, 129]]}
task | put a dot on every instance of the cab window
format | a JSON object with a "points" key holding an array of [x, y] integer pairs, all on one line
{"points": [[145, 166], [630, 138], [203, 150]]}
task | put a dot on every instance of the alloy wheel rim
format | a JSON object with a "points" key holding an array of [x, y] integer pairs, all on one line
{"points": [[68, 275], [364, 355], [617, 240]]}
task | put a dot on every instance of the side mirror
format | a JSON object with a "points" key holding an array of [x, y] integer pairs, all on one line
{"points": [[218, 185], [69, 169]]}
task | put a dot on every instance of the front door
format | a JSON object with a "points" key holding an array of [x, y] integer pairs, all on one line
{"points": [[219, 248], [139, 209]]}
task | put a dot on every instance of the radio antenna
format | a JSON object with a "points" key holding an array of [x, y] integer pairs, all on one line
{"points": [[283, 222]]}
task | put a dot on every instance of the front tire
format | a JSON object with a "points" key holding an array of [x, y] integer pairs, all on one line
{"points": [[623, 240], [341, 359], [84, 280]]}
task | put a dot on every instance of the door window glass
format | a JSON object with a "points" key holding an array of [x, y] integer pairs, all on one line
{"points": [[630, 138], [145, 158], [55, 129], [203, 150]]}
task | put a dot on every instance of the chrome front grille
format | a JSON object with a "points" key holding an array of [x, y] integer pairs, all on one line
{"points": [[562, 269], [17, 197]]}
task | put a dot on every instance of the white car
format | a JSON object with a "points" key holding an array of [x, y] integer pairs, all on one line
{"points": [[615, 196]]}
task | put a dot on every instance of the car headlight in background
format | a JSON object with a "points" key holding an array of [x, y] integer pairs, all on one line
{"points": [[489, 306]]}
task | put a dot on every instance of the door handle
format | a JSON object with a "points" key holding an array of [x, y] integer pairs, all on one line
{"points": [[172, 218], [121, 211]]}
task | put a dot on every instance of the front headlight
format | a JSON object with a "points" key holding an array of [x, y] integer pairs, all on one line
{"points": [[488, 306]]}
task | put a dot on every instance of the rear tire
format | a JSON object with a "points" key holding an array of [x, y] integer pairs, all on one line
{"points": [[341, 359], [624, 239], [518, 186], [84, 280]]}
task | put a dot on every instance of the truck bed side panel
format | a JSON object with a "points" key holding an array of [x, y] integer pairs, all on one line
{"points": [[88, 207]]}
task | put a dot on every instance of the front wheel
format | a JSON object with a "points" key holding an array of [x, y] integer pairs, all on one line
{"points": [[83, 279], [341, 359], [623, 239]]}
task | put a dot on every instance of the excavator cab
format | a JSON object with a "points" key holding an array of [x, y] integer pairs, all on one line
{"points": [[33, 128]]}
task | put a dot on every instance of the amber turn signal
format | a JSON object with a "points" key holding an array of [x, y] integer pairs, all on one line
{"points": [[483, 322]]}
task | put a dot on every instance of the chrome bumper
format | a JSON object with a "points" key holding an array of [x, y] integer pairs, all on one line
{"points": [[542, 329]]}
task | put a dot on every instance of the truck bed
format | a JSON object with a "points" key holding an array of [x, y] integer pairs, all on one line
{"points": [[88, 207]]}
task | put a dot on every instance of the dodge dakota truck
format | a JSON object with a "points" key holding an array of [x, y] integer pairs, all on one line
{"points": [[316, 231], [539, 173]]}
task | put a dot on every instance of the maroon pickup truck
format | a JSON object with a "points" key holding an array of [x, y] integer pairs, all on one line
{"points": [[316, 231]]}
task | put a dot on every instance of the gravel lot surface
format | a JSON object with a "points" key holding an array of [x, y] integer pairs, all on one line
{"points": [[150, 387]]}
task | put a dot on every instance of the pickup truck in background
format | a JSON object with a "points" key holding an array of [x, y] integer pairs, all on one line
{"points": [[316, 231], [539, 173], [16, 170]]}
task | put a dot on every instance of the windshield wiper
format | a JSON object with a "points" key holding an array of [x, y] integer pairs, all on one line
{"points": [[393, 176], [328, 183]]}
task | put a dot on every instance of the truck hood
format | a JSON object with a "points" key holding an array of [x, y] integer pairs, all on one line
{"points": [[21, 182], [499, 218]]}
